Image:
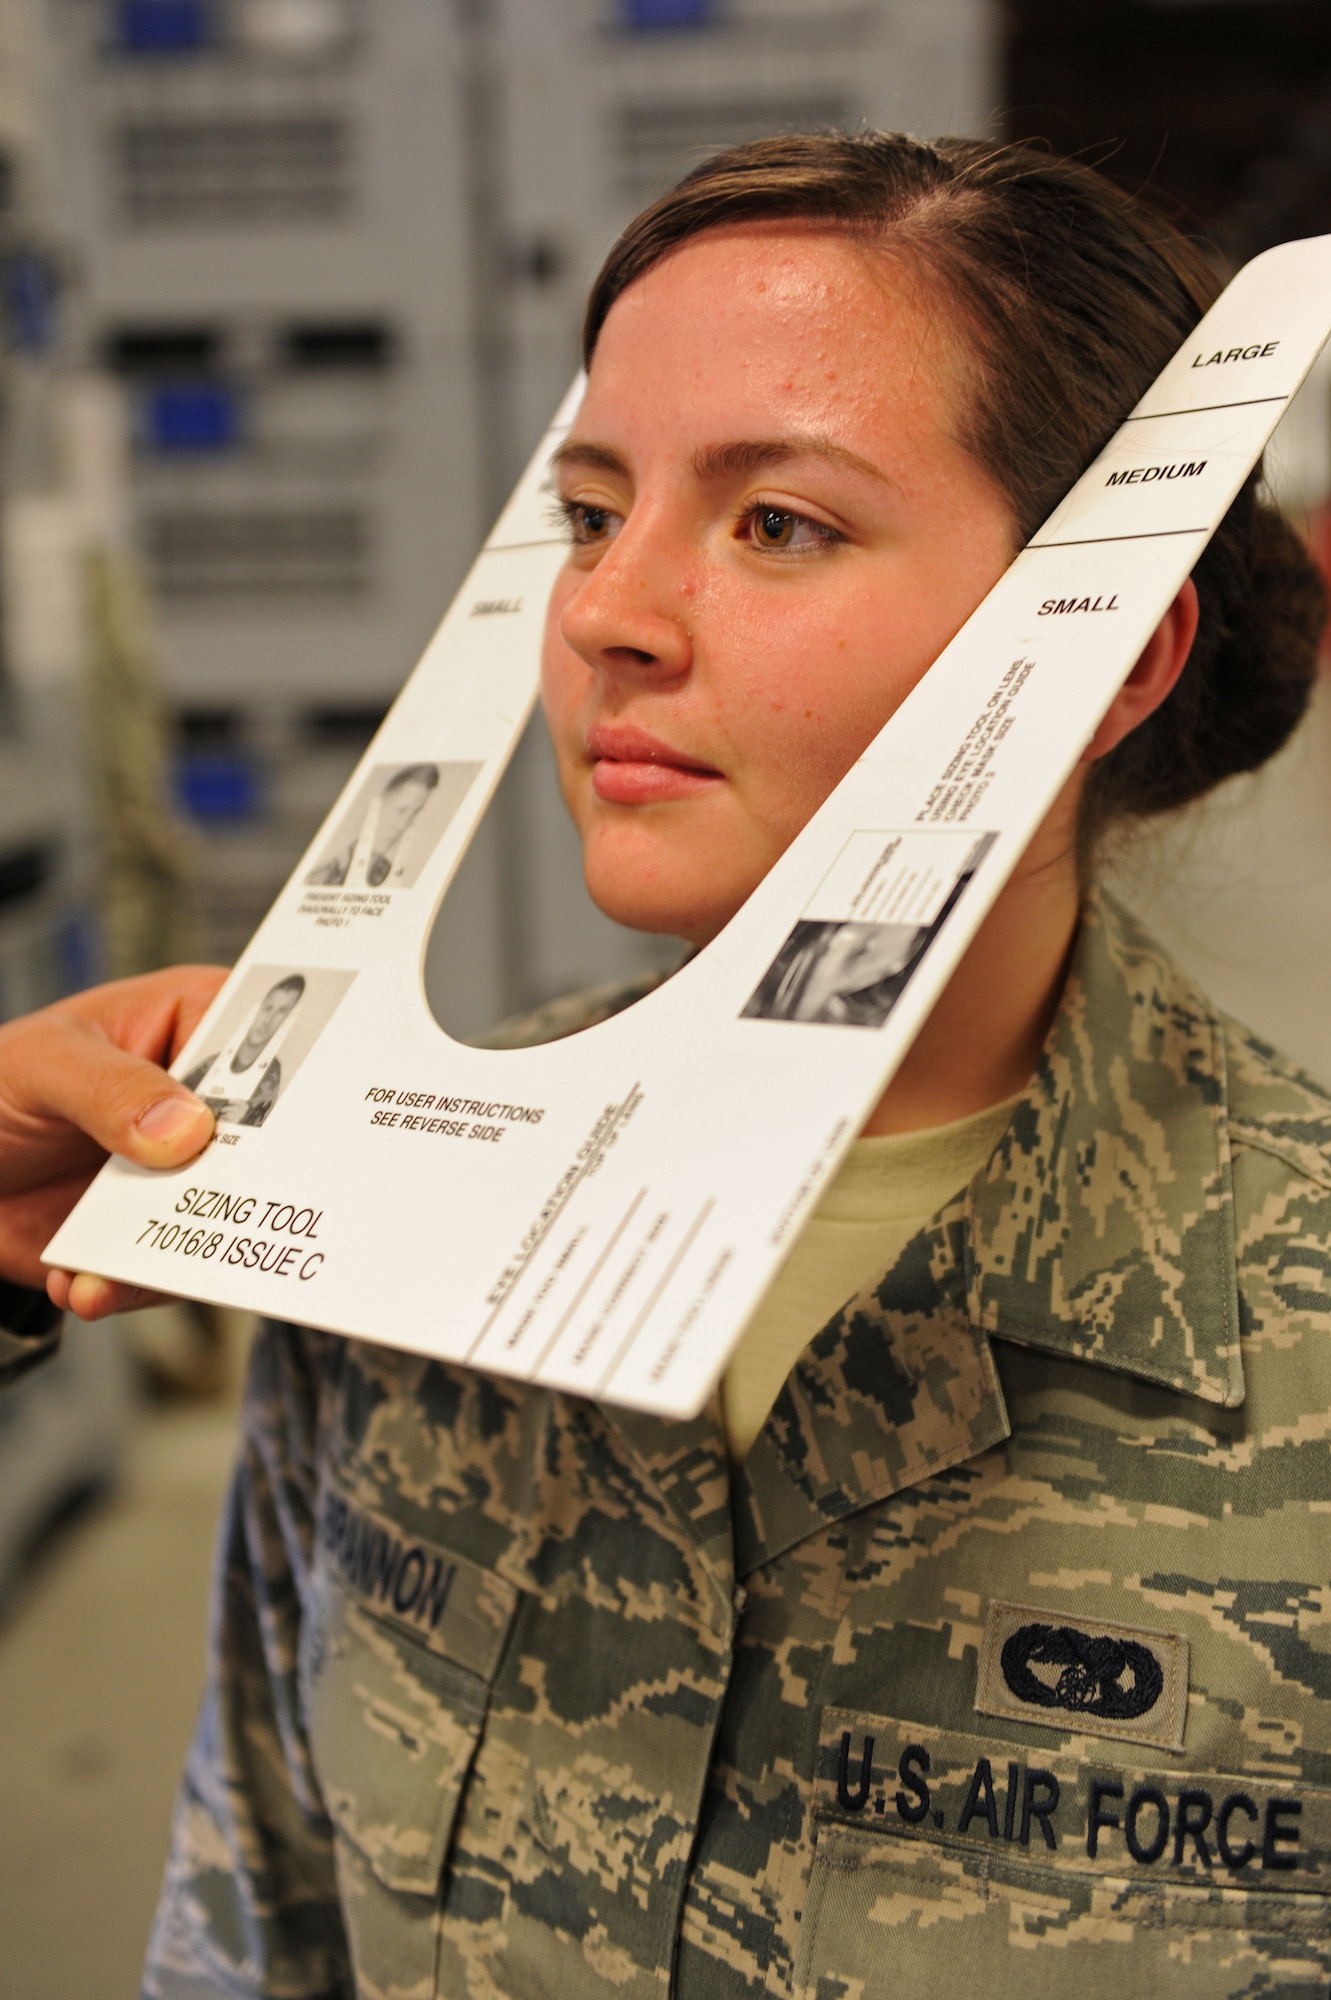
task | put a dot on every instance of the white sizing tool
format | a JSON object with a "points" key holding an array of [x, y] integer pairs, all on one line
{"points": [[602, 1214]]}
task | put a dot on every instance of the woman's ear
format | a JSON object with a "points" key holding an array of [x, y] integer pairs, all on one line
{"points": [[1153, 677]]}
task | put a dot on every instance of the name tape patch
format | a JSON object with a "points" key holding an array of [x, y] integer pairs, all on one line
{"points": [[451, 1605], [1083, 1676], [908, 1778]]}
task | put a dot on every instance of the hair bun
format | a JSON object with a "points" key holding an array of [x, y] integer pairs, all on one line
{"points": [[1248, 679]]}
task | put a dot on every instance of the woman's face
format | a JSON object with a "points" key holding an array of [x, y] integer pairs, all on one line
{"points": [[398, 808], [774, 534]]}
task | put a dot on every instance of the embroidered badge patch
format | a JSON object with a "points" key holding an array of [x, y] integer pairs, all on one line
{"points": [[1083, 1676]]}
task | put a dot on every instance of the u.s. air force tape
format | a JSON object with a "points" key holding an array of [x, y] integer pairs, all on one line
{"points": [[1065, 1804], [614, 1238]]}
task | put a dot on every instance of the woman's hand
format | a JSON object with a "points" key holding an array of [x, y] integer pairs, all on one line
{"points": [[78, 1080]]}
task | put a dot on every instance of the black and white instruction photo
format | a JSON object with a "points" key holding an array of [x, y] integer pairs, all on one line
{"points": [[849, 959], [275, 1018], [394, 824]]}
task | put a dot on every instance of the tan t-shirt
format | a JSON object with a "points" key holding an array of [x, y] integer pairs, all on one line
{"points": [[887, 1188]]}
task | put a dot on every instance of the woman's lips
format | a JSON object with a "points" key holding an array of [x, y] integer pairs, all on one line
{"points": [[631, 768], [624, 782]]}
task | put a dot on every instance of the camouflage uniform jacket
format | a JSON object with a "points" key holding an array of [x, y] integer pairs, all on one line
{"points": [[1002, 1666]]}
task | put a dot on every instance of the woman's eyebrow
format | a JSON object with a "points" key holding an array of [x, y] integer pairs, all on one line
{"points": [[591, 457], [725, 461], [734, 461]]}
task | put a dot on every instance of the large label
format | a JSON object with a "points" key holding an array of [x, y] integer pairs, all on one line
{"points": [[601, 1214]]}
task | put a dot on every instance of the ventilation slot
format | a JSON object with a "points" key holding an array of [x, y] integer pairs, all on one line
{"points": [[162, 350], [234, 170], [658, 141], [337, 346], [260, 553]]}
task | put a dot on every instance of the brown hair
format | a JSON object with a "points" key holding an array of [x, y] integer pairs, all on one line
{"points": [[1070, 295]]}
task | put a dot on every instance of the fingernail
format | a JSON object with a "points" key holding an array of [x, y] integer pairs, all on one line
{"points": [[171, 1118], [88, 1296]]}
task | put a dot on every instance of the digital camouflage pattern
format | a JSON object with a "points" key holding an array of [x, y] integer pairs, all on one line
{"points": [[516, 1695]]}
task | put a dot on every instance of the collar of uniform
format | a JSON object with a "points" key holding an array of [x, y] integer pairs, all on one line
{"points": [[898, 1386], [1101, 1229], [685, 1461]]}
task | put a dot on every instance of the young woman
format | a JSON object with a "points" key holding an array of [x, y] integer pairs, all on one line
{"points": [[977, 1637]]}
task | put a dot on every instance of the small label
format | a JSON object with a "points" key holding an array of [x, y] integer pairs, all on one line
{"points": [[1060, 607], [1083, 1676]]}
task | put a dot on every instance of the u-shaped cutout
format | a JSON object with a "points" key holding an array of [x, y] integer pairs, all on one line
{"points": [[516, 929]]}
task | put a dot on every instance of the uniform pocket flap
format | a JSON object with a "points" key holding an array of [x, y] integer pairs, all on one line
{"points": [[953, 1863], [397, 1653], [393, 1729]]}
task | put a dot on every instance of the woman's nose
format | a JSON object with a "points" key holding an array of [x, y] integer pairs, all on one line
{"points": [[629, 614]]}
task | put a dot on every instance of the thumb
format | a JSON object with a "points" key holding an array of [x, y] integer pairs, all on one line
{"points": [[122, 1102], [169, 1130]]}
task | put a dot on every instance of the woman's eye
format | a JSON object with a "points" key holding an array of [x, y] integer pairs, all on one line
{"points": [[588, 524], [780, 529]]}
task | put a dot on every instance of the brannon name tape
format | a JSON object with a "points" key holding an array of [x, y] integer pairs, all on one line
{"points": [[601, 1214]]}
